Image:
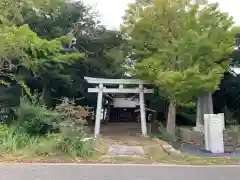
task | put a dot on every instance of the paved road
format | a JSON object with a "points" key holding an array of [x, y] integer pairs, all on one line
{"points": [[116, 172]]}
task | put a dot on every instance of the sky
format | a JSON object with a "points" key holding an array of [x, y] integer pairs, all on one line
{"points": [[112, 11]]}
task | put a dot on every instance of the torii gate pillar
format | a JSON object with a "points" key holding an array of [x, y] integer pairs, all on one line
{"points": [[142, 111], [98, 111]]}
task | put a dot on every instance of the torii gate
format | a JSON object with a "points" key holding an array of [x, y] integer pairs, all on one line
{"points": [[100, 89]]}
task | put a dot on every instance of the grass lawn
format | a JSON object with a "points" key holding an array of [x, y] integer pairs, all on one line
{"points": [[153, 150]]}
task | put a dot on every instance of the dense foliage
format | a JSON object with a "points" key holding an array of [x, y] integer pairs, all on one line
{"points": [[47, 132], [43, 51]]}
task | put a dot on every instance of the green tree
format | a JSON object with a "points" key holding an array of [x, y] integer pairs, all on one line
{"points": [[12, 11], [31, 55], [182, 46], [49, 21], [103, 48], [70, 15]]}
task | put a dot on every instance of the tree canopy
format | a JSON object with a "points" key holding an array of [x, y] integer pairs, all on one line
{"points": [[182, 46], [37, 47]]}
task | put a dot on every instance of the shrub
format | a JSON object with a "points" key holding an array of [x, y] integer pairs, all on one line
{"points": [[20, 143], [69, 111], [32, 132], [75, 145], [14, 140], [73, 129], [47, 146], [34, 118], [229, 117], [3, 129]]}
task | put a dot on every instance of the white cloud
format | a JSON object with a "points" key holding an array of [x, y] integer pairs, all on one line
{"points": [[111, 11]]}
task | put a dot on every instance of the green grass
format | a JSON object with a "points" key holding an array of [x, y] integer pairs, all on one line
{"points": [[20, 144], [20, 147]]}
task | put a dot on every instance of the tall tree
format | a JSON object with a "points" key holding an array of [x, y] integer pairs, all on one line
{"points": [[70, 15], [12, 11], [182, 46], [23, 51], [102, 47]]}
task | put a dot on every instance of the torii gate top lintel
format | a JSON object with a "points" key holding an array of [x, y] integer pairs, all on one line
{"points": [[92, 80]]}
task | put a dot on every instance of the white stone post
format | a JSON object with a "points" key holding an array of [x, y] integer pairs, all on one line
{"points": [[206, 131], [214, 132], [142, 111], [98, 111]]}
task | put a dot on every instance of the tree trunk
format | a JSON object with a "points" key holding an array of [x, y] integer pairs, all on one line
{"points": [[46, 96], [199, 118], [171, 119]]}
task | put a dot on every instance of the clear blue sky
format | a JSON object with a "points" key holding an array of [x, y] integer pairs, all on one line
{"points": [[111, 11]]}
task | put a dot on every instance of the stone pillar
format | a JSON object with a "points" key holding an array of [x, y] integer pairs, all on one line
{"points": [[142, 111], [98, 111]]}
